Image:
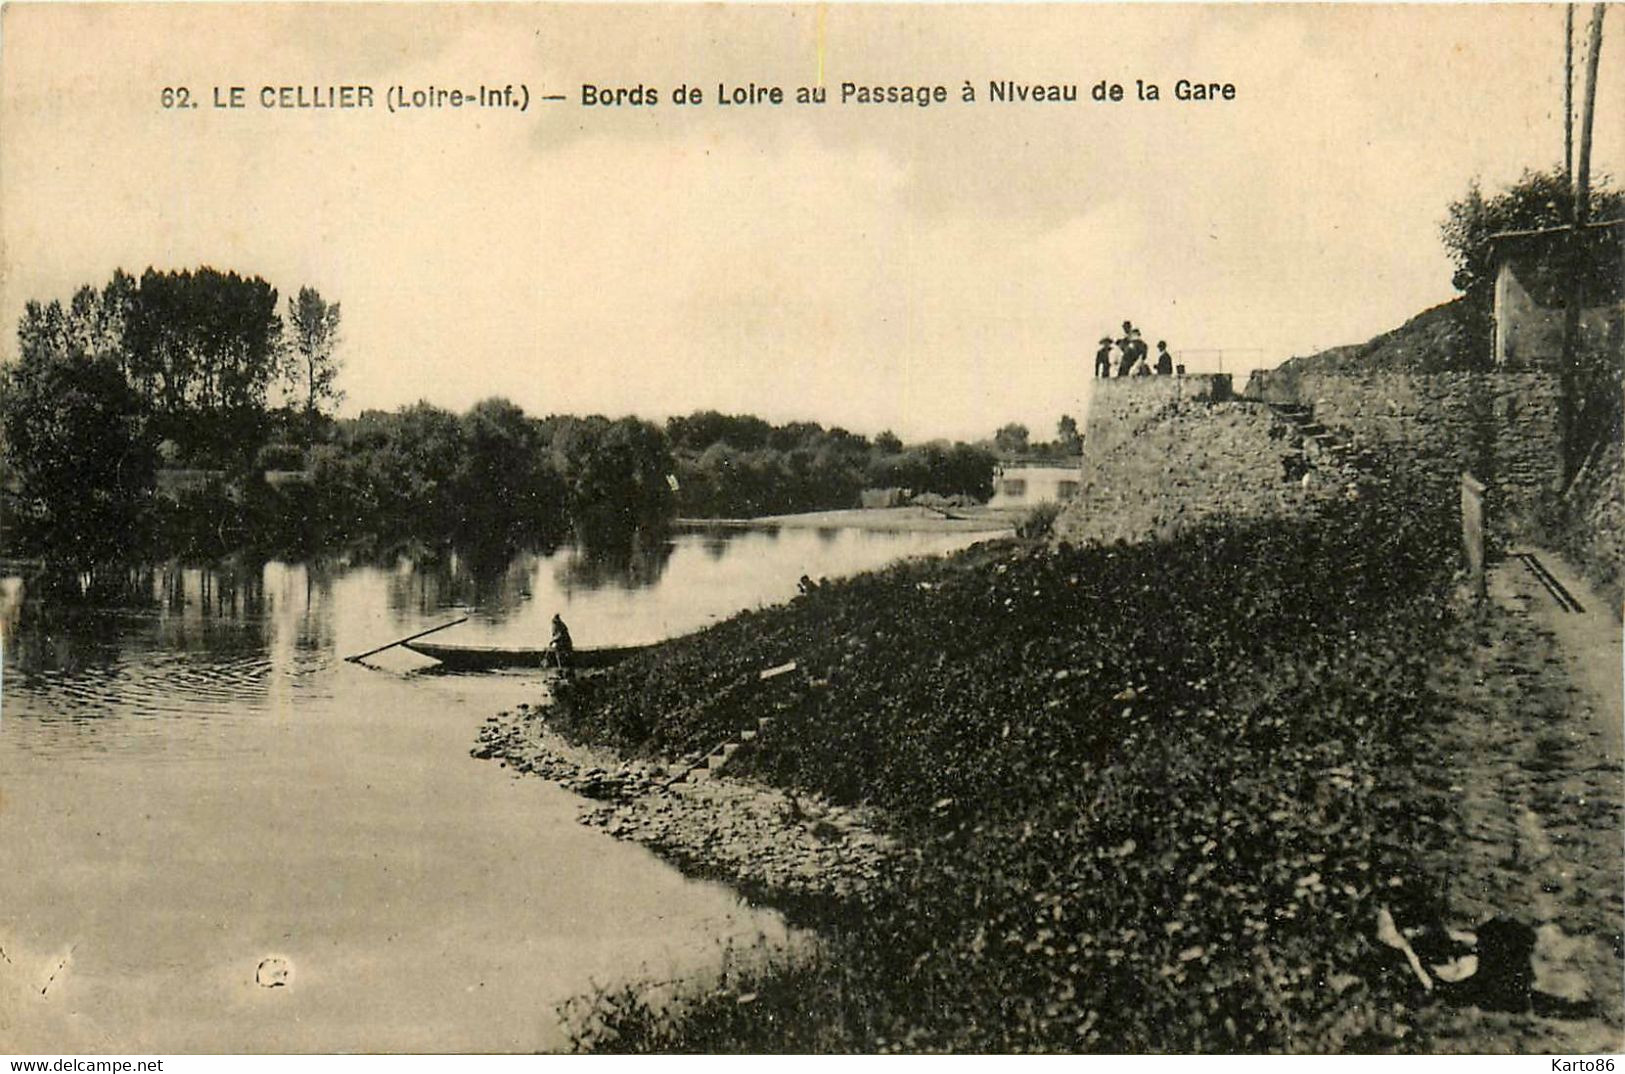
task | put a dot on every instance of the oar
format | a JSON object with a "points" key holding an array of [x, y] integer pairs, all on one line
{"points": [[370, 652]]}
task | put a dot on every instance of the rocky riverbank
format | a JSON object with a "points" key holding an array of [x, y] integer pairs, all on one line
{"points": [[798, 852]]}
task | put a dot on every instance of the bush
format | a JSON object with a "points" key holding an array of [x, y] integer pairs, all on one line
{"points": [[280, 456], [83, 454], [1039, 522]]}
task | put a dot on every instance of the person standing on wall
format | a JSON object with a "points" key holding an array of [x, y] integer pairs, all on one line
{"points": [[1125, 350], [1103, 357], [1165, 361], [1141, 351]]}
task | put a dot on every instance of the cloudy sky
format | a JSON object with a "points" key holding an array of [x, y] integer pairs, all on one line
{"points": [[936, 271]]}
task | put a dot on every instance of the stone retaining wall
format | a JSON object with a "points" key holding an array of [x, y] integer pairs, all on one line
{"points": [[1121, 407], [1163, 453], [1504, 428]]}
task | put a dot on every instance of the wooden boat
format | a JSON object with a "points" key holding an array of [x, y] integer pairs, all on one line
{"points": [[491, 657]]}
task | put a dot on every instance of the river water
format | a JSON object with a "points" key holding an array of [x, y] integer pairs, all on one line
{"points": [[218, 836]]}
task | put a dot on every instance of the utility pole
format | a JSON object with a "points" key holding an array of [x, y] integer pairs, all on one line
{"points": [[1568, 96], [1575, 385], [1582, 190]]}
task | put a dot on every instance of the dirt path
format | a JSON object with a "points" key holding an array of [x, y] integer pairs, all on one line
{"points": [[1588, 637], [1535, 781]]}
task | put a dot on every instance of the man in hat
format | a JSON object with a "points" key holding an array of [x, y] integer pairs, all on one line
{"points": [[1165, 361], [1103, 357], [1125, 350]]}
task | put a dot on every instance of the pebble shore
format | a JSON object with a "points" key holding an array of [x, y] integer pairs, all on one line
{"points": [[797, 852]]}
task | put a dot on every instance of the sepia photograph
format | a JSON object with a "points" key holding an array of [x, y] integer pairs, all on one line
{"points": [[865, 528]]}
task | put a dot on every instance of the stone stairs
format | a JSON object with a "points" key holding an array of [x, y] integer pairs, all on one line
{"points": [[712, 763], [1327, 445]]}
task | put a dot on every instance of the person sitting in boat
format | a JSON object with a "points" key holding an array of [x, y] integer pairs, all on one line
{"points": [[563, 647]]}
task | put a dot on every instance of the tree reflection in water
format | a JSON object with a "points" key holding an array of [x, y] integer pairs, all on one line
{"points": [[492, 578], [66, 622], [634, 562]]}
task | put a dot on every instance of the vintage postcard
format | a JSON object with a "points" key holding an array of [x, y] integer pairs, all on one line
{"points": [[784, 528]]}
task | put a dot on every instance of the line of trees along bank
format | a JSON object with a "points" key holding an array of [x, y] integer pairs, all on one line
{"points": [[199, 371], [739, 466], [491, 477], [425, 474]]}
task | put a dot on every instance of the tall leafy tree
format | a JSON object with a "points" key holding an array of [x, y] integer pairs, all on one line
{"points": [[204, 348], [77, 438], [1539, 199], [504, 488], [1066, 431], [1011, 439], [313, 323], [616, 472]]}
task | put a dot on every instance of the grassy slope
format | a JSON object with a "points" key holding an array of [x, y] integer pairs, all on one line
{"points": [[1443, 338], [1158, 792]]}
